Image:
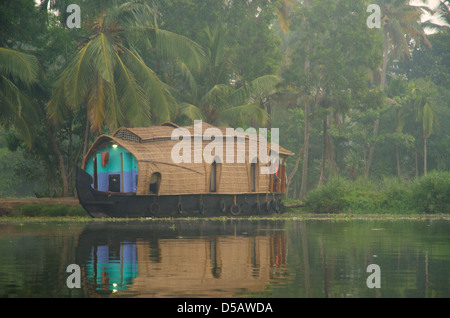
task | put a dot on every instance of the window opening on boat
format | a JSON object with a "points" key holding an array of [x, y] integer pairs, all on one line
{"points": [[213, 177], [253, 174], [95, 173], [155, 181]]}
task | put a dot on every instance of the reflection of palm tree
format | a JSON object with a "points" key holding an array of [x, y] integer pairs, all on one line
{"points": [[18, 71], [214, 98]]}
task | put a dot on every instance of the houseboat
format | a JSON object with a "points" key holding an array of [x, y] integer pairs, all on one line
{"points": [[170, 171]]}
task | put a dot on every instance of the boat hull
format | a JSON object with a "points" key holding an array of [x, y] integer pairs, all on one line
{"points": [[120, 205]]}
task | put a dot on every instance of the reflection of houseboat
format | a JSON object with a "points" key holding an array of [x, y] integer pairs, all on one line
{"points": [[133, 173], [176, 259]]}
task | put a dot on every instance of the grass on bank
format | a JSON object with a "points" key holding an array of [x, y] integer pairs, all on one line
{"points": [[47, 210]]}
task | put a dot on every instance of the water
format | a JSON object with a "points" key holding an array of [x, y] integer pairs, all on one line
{"points": [[235, 258]]}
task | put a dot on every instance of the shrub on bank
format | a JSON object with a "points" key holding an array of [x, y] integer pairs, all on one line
{"points": [[328, 198], [429, 194]]}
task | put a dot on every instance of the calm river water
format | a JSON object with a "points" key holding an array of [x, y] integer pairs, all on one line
{"points": [[234, 258]]}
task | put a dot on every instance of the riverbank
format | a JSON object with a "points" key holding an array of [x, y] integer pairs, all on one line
{"points": [[69, 209], [16, 206], [294, 217], [58, 207]]}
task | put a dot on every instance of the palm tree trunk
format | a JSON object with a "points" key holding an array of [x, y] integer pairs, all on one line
{"points": [[385, 61], [306, 153], [382, 85], [299, 156], [334, 169], [324, 154], [424, 156], [416, 159], [297, 163], [86, 137], [62, 168], [372, 147]]}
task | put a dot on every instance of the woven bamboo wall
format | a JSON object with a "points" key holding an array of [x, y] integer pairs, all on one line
{"points": [[186, 178]]}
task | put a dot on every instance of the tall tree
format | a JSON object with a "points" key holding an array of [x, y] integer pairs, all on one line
{"points": [[109, 76], [324, 42], [423, 107], [211, 94], [400, 25]]}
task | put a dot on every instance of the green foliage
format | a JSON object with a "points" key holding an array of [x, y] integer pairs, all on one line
{"points": [[427, 194], [431, 193], [328, 198], [18, 71], [109, 76]]}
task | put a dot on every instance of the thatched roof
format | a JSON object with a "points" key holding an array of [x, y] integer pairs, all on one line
{"points": [[164, 132]]}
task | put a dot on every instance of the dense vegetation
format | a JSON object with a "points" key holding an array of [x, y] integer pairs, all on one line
{"points": [[427, 194], [366, 110]]}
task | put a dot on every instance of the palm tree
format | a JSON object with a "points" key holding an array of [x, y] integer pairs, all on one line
{"points": [[400, 24], [213, 97], [416, 106], [110, 78], [421, 93], [440, 19], [18, 72]]}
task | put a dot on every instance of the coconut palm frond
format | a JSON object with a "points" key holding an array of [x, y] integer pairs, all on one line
{"points": [[240, 114], [176, 46], [18, 71], [20, 66], [161, 102], [134, 101], [261, 86], [104, 56], [18, 110], [132, 14], [187, 76], [216, 94], [77, 76], [191, 111], [57, 106], [97, 101]]}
